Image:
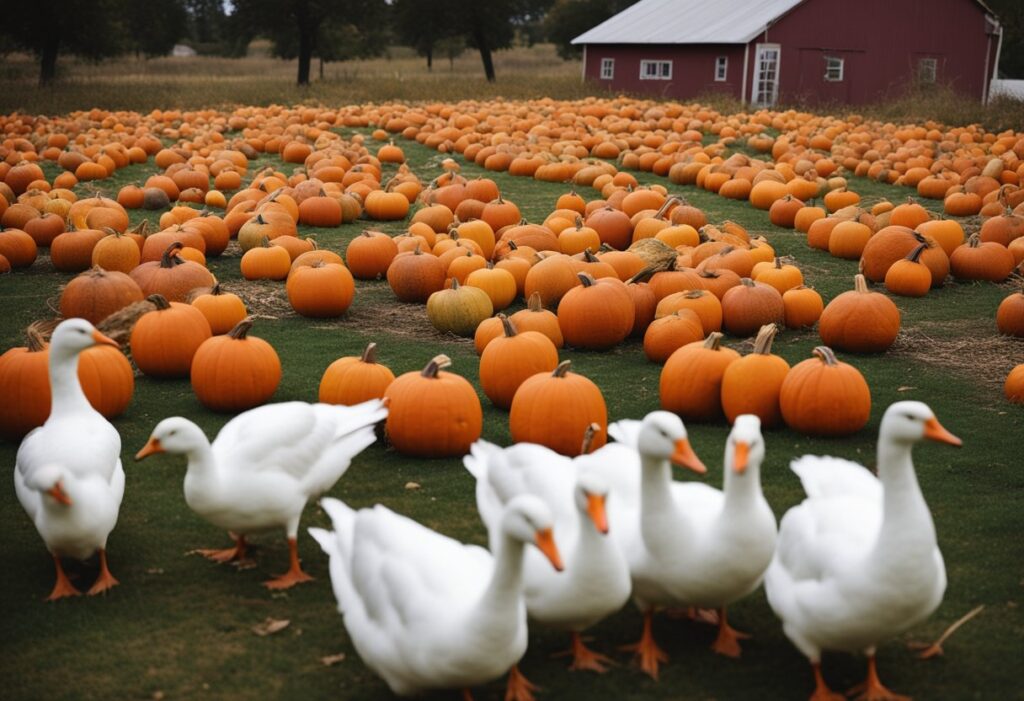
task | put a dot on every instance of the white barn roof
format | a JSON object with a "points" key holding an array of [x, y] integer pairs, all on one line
{"points": [[688, 22]]}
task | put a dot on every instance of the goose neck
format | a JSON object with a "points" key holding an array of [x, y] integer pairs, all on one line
{"points": [[67, 396], [504, 590], [905, 516]]}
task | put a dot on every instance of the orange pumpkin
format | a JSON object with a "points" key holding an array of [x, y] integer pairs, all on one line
{"points": [[691, 381], [1010, 315], [751, 385], [860, 321], [98, 293], [536, 318], [164, 340], [597, 315], [822, 396], [235, 371], [671, 332], [355, 379], [512, 358], [222, 309], [320, 290], [803, 307], [556, 410]]}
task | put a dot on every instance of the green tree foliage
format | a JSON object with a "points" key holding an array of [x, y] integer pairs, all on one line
{"points": [[1011, 16], [422, 25], [155, 26], [567, 19], [492, 25], [329, 29]]}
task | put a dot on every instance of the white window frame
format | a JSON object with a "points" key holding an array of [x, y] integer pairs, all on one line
{"points": [[757, 98], [662, 69], [835, 69], [607, 68], [721, 69], [929, 74]]}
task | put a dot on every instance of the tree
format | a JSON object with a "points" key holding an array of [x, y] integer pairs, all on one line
{"points": [[155, 26], [567, 19], [490, 26], [91, 29], [1011, 16], [298, 27], [422, 25]]}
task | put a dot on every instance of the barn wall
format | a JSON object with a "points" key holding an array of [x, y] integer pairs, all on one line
{"points": [[880, 42], [693, 69]]}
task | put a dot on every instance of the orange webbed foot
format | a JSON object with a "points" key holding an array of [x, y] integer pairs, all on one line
{"points": [[288, 580], [519, 687], [647, 649], [728, 641], [585, 659], [105, 580], [63, 587]]}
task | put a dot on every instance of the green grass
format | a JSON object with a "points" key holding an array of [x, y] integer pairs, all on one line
{"points": [[179, 627]]}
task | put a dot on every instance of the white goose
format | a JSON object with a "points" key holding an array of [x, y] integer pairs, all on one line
{"points": [[858, 561], [648, 513], [74, 514], [595, 583], [425, 611], [263, 467]]}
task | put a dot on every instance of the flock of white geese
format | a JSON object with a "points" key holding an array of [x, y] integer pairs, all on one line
{"points": [[570, 540]]}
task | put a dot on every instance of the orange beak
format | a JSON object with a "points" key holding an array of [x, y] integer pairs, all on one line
{"points": [[102, 339], [933, 430], [596, 511], [740, 456], [152, 447], [58, 493], [685, 457], [545, 542]]}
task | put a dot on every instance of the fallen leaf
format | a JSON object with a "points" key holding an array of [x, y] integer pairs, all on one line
{"points": [[905, 388], [333, 659], [412, 485], [270, 626]]}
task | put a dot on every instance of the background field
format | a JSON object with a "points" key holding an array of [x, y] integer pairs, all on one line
{"points": [[180, 627]]}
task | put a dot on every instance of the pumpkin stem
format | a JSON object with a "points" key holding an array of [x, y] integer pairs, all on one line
{"points": [[669, 201], [170, 257], [778, 263], [562, 369], [974, 241], [827, 355], [534, 304], [589, 256], [694, 294], [914, 255], [34, 337], [747, 282], [579, 222], [587, 279], [507, 326], [512, 245], [588, 437], [455, 283], [159, 301], [765, 336], [643, 274], [265, 242], [370, 354], [437, 363], [714, 340], [241, 329], [860, 283]]}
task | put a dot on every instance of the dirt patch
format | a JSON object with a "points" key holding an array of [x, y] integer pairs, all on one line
{"points": [[373, 314], [960, 346]]}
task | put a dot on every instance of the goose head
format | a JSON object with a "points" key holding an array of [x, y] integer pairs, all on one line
{"points": [[908, 422], [663, 436], [529, 520], [591, 495], [48, 480], [175, 435], [745, 446], [72, 336]]}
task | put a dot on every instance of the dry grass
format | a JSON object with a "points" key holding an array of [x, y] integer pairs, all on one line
{"points": [[966, 347]]}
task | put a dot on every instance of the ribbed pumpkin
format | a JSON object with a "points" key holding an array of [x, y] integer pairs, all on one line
{"points": [[613, 226], [803, 307], [536, 318], [976, 260], [71, 252], [597, 315], [860, 321], [116, 251], [645, 305], [751, 385], [1010, 315], [222, 309], [369, 255], [909, 277], [887, 246], [172, 277], [265, 262], [355, 379], [415, 275], [18, 248], [320, 211], [705, 304], [510, 359], [822, 396], [499, 285], [164, 340], [781, 276], [459, 310], [671, 332], [1013, 388], [749, 306], [235, 371], [433, 414], [104, 372], [556, 409], [320, 290], [96, 294], [691, 381], [386, 206], [551, 278]]}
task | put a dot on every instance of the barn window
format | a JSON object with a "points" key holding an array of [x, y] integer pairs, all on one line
{"points": [[607, 68], [833, 69], [926, 68], [721, 67], [655, 70]]}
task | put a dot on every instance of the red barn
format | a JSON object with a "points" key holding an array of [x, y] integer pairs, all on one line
{"points": [[763, 51]]}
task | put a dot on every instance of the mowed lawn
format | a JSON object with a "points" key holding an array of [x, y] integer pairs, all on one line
{"points": [[180, 627]]}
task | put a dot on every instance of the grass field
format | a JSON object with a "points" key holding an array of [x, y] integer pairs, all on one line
{"points": [[179, 627]]}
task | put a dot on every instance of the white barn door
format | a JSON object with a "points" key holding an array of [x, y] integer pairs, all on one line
{"points": [[766, 74]]}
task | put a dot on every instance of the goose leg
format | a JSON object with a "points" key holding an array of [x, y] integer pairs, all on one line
{"points": [[821, 690], [728, 641], [294, 575], [467, 695], [105, 580], [63, 586], [647, 649], [224, 555], [583, 658], [872, 688], [519, 687]]}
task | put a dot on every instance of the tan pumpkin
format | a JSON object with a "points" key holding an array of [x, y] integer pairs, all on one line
{"points": [[458, 310]]}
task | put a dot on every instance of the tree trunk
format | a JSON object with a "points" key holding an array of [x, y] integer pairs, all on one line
{"points": [[307, 30], [321, 68], [48, 59], [485, 53], [430, 59]]}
